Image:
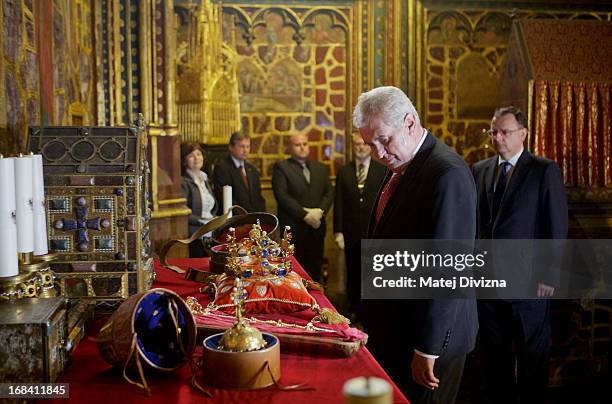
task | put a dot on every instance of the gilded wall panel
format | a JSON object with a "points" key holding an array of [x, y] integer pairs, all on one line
{"points": [[73, 61], [19, 75], [294, 75], [458, 67]]}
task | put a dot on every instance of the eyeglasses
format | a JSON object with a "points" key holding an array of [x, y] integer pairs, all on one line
{"points": [[504, 132]]}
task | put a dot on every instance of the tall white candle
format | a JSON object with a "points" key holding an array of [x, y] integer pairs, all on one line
{"points": [[227, 198], [23, 204], [40, 219], [8, 226]]}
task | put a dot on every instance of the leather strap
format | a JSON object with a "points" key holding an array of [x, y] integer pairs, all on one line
{"points": [[213, 225]]}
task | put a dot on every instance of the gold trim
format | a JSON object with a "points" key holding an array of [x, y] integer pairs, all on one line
{"points": [[117, 59], [170, 74], [172, 201], [143, 13], [411, 50], [153, 39], [370, 59], [163, 131], [397, 41], [419, 59], [154, 164], [161, 214], [530, 104], [130, 118]]}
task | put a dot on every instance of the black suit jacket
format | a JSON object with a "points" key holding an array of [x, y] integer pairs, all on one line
{"points": [[534, 206], [435, 199], [226, 173], [194, 201], [293, 193], [351, 207]]}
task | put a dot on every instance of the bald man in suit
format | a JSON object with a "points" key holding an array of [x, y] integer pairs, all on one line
{"points": [[304, 195]]}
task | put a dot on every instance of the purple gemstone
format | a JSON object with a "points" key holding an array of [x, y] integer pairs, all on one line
{"points": [[105, 223], [58, 224], [83, 246], [81, 201], [120, 256], [119, 191]]}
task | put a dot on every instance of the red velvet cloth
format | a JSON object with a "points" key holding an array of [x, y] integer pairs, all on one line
{"points": [[92, 380]]}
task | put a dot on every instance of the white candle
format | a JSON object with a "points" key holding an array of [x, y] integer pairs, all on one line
{"points": [[23, 204], [227, 198], [8, 227], [370, 390], [40, 219]]}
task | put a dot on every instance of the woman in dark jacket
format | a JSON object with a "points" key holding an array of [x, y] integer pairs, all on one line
{"points": [[200, 197]]}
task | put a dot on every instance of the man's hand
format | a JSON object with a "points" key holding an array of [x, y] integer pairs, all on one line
{"points": [[313, 217], [339, 239], [545, 290], [422, 371]]}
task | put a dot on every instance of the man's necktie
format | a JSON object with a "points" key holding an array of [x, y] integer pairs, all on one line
{"points": [[244, 177], [361, 177], [386, 194], [500, 188], [306, 172]]}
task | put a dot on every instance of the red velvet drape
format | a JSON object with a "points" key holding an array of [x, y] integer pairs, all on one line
{"points": [[572, 125]]}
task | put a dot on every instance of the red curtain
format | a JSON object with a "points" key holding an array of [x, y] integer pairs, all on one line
{"points": [[572, 125]]}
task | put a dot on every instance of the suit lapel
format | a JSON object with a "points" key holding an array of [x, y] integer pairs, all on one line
{"points": [[408, 178], [489, 178], [297, 169], [375, 173], [249, 173], [518, 176]]}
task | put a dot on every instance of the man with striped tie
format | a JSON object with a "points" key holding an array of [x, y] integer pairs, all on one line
{"points": [[429, 193], [357, 184]]}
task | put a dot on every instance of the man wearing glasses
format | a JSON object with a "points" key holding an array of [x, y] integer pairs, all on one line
{"points": [[520, 196]]}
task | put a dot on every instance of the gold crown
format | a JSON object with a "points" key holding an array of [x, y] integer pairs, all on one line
{"points": [[259, 255]]}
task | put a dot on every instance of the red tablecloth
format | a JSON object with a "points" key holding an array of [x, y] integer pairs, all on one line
{"points": [[92, 380]]}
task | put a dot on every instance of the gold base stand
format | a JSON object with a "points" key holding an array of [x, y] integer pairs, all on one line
{"points": [[19, 286], [40, 265]]}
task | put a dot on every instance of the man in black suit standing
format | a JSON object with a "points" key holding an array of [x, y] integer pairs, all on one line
{"points": [[242, 176], [357, 184], [429, 193], [520, 196], [304, 195]]}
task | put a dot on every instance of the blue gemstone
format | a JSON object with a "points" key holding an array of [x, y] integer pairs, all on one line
{"points": [[247, 274], [264, 242], [265, 253], [264, 263], [281, 272]]}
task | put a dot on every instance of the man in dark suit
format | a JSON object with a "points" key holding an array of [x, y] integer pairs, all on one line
{"points": [[429, 193], [520, 196], [357, 184], [304, 195], [242, 176]]}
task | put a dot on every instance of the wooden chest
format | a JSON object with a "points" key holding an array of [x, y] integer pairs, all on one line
{"points": [[97, 205], [32, 332]]}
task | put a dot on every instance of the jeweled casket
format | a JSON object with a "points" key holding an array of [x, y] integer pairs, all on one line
{"points": [[97, 205]]}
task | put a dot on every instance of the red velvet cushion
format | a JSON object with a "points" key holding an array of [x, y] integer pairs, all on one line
{"points": [[265, 294]]}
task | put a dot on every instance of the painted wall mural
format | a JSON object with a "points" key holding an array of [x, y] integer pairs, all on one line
{"points": [[19, 74], [73, 62], [458, 76], [293, 76]]}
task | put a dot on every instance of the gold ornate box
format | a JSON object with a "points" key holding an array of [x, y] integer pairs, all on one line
{"points": [[97, 205]]}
